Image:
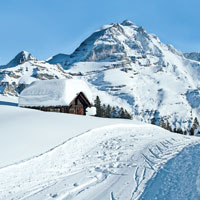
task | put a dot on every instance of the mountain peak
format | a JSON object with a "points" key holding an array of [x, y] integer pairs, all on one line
{"points": [[128, 23], [20, 58], [24, 56], [24, 53]]}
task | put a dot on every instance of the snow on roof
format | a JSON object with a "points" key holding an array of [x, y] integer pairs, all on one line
{"points": [[59, 92]]}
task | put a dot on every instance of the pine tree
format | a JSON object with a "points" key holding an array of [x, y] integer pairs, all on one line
{"points": [[175, 131], [113, 112], [191, 131], [108, 111], [194, 126], [127, 115], [168, 127], [121, 113], [163, 124], [179, 130], [185, 132], [103, 108], [153, 121], [195, 123], [117, 111], [97, 104]]}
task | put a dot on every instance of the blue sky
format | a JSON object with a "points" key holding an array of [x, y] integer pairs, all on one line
{"points": [[48, 27]]}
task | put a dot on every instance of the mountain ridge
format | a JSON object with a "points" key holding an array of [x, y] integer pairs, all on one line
{"points": [[193, 56], [24, 69]]}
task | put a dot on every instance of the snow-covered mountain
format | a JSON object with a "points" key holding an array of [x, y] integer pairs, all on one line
{"points": [[125, 66], [193, 56], [156, 80], [23, 70]]}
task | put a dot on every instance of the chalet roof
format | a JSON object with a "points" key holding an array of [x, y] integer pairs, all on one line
{"points": [[59, 92]]}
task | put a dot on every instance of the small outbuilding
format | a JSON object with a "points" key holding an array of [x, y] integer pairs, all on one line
{"points": [[60, 95]]}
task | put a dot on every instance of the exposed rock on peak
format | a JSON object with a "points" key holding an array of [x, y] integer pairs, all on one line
{"points": [[128, 23], [111, 42], [20, 58], [193, 56]]}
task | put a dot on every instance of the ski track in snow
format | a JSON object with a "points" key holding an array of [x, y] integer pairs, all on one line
{"points": [[113, 162]]}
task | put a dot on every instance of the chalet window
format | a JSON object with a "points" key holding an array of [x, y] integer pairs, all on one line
{"points": [[54, 109]]}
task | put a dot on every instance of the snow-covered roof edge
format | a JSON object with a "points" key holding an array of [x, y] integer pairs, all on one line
{"points": [[60, 92]]}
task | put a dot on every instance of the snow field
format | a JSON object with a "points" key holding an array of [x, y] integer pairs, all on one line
{"points": [[178, 179], [25, 133], [112, 162]]}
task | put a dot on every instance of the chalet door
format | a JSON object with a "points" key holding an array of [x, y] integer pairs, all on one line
{"points": [[79, 110]]}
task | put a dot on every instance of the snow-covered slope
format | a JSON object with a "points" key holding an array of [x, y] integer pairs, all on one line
{"points": [[23, 70], [113, 162], [60, 58], [25, 132], [157, 82]]}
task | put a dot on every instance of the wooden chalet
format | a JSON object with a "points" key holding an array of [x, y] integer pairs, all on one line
{"points": [[77, 106], [56, 92]]}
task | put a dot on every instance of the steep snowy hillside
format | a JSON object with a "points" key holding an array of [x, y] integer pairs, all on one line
{"points": [[23, 70], [113, 162], [193, 56], [159, 84]]}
